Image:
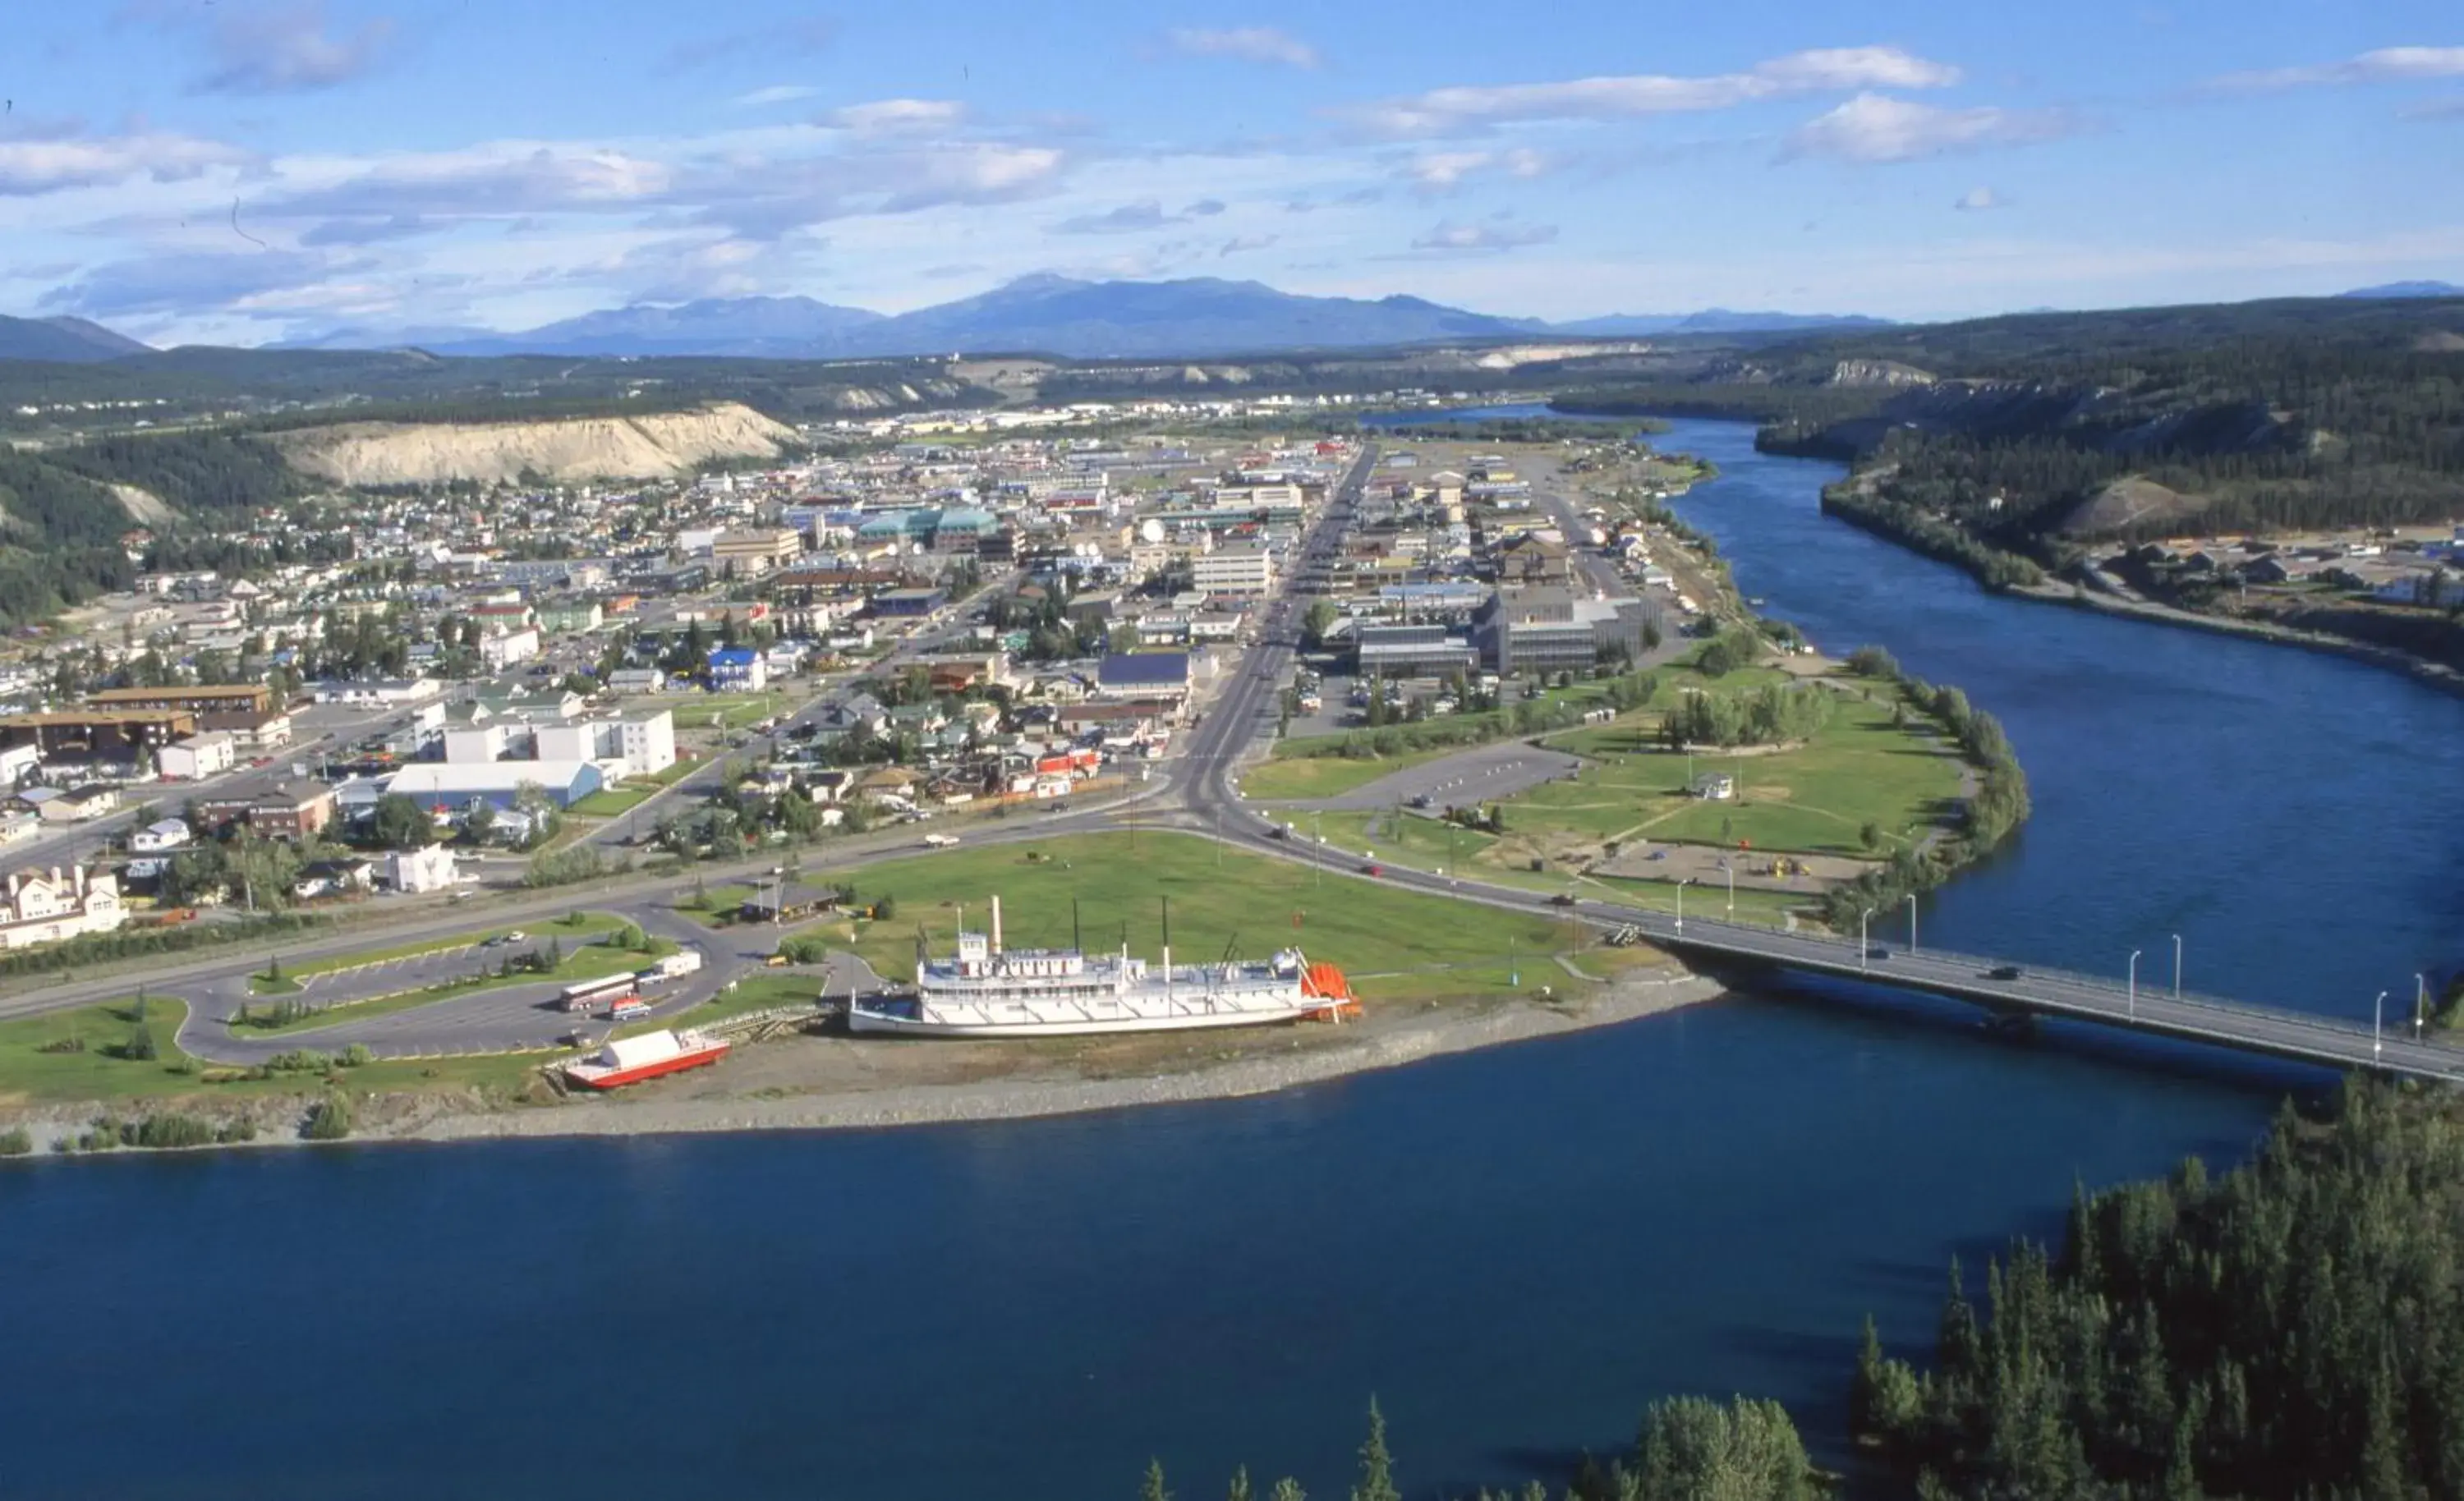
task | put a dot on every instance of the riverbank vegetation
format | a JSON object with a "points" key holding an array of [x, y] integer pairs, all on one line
{"points": [[2288, 1330], [1990, 813], [1686, 1450]]}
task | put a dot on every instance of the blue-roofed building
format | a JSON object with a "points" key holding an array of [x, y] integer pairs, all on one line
{"points": [[1144, 675], [735, 670]]}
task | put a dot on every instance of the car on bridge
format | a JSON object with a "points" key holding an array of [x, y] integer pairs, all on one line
{"points": [[2003, 972]]}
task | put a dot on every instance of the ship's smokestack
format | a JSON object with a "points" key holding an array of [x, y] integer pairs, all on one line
{"points": [[995, 925]]}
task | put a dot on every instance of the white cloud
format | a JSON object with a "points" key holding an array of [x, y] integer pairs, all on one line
{"points": [[1247, 43], [1451, 110], [1454, 237], [1874, 127], [31, 164], [1978, 200], [898, 116], [2385, 65], [1240, 245], [774, 94], [1434, 172]]}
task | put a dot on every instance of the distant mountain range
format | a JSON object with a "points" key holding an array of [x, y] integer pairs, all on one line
{"points": [[1714, 320], [63, 340], [2410, 288], [1050, 315], [1041, 314]]}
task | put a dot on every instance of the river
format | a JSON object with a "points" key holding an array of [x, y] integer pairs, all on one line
{"points": [[1515, 1249]]}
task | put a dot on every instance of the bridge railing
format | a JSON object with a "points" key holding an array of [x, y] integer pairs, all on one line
{"points": [[1753, 940]]}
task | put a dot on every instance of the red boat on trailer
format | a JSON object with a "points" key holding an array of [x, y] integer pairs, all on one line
{"points": [[630, 1060]]}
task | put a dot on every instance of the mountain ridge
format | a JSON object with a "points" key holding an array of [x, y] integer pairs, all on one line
{"points": [[64, 341]]}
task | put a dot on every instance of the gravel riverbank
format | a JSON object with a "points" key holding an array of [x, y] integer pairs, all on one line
{"points": [[1372, 1045]]}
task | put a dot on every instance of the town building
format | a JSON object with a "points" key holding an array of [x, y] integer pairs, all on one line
{"points": [[646, 744], [1162, 675], [197, 757], [414, 871], [45, 906], [1236, 570], [436, 785], [294, 811], [1540, 629], [737, 669], [202, 699], [760, 550]]}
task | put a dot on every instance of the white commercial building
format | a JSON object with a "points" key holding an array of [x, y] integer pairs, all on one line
{"points": [[430, 869], [381, 693], [644, 743], [197, 757], [1242, 571], [499, 652]]}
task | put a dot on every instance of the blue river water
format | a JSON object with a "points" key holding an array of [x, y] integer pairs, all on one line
{"points": [[1515, 1249]]}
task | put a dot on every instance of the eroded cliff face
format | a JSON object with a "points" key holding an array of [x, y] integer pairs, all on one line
{"points": [[563, 449]]}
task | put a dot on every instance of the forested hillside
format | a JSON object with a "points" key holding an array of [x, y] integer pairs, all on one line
{"points": [[2290, 1330], [2316, 413]]}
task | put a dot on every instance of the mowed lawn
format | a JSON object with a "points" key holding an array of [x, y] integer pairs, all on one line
{"points": [[1222, 901], [101, 1070], [1285, 779], [1815, 798]]}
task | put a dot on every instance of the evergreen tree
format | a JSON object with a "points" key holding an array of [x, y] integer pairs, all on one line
{"points": [[1151, 1489], [1377, 1465]]}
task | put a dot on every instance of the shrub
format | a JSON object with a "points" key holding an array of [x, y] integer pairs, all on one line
{"points": [[329, 1119], [242, 1129], [166, 1131], [357, 1056], [15, 1142]]}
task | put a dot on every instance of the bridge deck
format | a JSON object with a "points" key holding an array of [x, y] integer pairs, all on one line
{"points": [[2054, 992]]}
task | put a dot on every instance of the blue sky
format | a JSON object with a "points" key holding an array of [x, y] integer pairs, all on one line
{"points": [[248, 170]]}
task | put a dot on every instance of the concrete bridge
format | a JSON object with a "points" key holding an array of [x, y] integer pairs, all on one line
{"points": [[2010, 988]]}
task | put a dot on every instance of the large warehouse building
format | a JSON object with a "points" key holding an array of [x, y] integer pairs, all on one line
{"points": [[456, 785]]}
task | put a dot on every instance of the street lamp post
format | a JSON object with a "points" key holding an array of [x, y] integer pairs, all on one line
{"points": [[2134, 985], [1732, 868], [2378, 1018], [2420, 1003], [1680, 903], [1912, 922], [2177, 966], [1863, 952]]}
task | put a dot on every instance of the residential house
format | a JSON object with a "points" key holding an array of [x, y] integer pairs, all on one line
{"points": [[162, 837], [737, 669], [45, 906]]}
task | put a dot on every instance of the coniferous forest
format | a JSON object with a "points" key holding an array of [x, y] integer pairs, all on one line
{"points": [[2288, 1331]]}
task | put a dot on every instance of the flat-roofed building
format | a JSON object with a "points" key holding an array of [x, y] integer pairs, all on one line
{"points": [[1238, 571], [756, 550], [211, 698], [99, 734]]}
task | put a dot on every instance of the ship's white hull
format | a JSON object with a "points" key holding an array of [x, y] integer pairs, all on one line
{"points": [[1019, 1021]]}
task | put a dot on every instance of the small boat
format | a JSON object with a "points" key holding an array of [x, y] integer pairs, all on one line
{"points": [[630, 1060]]}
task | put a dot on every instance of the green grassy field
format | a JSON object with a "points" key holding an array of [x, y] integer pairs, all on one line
{"points": [[611, 801], [728, 710], [1815, 798], [1282, 778], [1221, 899], [101, 1072]]}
